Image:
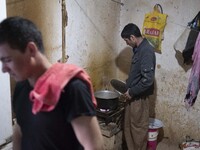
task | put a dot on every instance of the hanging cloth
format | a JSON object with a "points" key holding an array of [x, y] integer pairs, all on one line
{"points": [[194, 80], [194, 25], [49, 86]]}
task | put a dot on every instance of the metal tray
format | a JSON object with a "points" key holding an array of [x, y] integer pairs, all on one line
{"points": [[118, 85]]}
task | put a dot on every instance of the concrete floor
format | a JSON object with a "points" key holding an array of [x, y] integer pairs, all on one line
{"points": [[162, 145], [165, 144]]}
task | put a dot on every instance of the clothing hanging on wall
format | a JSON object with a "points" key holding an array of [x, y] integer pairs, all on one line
{"points": [[194, 80], [194, 25], [189, 47], [185, 43]]}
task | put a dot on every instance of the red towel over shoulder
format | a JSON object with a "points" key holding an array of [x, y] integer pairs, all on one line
{"points": [[48, 88]]}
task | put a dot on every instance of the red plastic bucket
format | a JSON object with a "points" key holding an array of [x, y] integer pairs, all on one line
{"points": [[152, 139], [154, 125]]}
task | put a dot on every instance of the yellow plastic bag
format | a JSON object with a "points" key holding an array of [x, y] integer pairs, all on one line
{"points": [[153, 26]]}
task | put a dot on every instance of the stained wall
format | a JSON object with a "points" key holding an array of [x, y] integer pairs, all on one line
{"points": [[93, 42], [167, 104], [47, 16], [92, 37]]}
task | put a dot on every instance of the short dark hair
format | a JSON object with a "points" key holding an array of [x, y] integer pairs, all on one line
{"points": [[130, 29], [18, 31]]}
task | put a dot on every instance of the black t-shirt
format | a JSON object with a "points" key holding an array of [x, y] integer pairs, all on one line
{"points": [[52, 130]]}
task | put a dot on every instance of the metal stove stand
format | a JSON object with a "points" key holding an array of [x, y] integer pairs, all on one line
{"points": [[111, 121]]}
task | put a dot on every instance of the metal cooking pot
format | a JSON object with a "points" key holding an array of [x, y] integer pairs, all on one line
{"points": [[107, 99]]}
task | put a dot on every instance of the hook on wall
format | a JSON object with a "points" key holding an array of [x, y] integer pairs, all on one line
{"points": [[118, 2]]}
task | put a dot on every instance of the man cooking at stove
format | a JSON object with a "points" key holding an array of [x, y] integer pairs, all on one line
{"points": [[140, 85]]}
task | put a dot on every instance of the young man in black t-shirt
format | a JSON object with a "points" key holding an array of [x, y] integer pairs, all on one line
{"points": [[69, 121]]}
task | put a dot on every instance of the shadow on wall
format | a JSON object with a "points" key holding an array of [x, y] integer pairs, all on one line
{"points": [[180, 61], [123, 60], [152, 102]]}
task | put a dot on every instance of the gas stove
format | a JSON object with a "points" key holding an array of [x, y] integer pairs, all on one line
{"points": [[110, 121]]}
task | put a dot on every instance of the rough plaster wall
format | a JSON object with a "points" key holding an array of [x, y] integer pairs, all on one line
{"points": [[171, 76], [41, 13], [92, 37], [47, 16], [92, 33], [93, 41]]}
